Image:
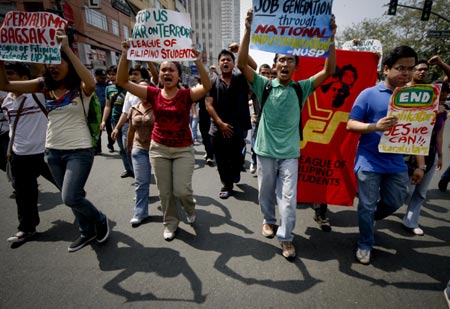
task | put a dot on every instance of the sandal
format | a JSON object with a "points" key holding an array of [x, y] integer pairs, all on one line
{"points": [[224, 194]]}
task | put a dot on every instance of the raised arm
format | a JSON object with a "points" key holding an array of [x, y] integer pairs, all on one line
{"points": [[330, 64], [122, 75], [153, 73], [436, 60], [243, 58], [88, 81], [201, 90]]}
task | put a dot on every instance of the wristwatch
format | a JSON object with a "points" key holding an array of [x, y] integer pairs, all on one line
{"points": [[422, 167]]}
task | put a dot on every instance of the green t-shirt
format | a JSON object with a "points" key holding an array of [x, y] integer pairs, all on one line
{"points": [[278, 135], [116, 97]]}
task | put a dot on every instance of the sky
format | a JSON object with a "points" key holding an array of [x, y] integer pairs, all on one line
{"points": [[347, 12]]}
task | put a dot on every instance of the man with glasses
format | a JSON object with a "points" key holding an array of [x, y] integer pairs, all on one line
{"points": [[277, 142], [382, 177]]}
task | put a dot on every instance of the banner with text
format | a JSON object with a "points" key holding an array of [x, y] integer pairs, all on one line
{"points": [[416, 108], [160, 35], [297, 28], [31, 37], [328, 150]]}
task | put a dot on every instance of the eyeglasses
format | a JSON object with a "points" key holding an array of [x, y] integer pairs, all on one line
{"points": [[403, 69], [284, 60]]}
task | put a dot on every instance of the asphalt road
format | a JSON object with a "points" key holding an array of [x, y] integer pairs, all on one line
{"points": [[222, 261]]}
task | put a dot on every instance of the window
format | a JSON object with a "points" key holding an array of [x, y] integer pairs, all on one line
{"points": [[115, 27], [96, 19], [126, 32]]}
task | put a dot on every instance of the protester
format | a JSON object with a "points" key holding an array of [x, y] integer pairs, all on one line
{"points": [[69, 152], [171, 148], [4, 134], [100, 90], [278, 149], [205, 125], [141, 121], [382, 177], [433, 160], [420, 72], [227, 104], [115, 97], [27, 119]]}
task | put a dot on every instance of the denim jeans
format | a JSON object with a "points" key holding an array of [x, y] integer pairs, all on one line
{"points": [[252, 143], [277, 184], [70, 169], [379, 196], [142, 173], [194, 128], [121, 138], [418, 197]]}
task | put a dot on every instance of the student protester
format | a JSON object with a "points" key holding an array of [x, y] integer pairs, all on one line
{"points": [[141, 121], [382, 177], [433, 160], [69, 153], [171, 147], [227, 104], [115, 98], [27, 119], [420, 72], [278, 149], [102, 82]]}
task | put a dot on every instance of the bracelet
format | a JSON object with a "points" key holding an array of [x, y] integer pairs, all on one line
{"points": [[422, 167]]}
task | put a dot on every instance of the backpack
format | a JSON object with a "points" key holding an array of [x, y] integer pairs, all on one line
{"points": [[265, 95], [93, 117]]}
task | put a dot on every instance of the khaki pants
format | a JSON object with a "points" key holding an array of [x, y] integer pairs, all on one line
{"points": [[173, 168]]}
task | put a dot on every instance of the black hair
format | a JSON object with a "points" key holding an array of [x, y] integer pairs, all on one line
{"points": [[224, 52], [420, 61], [19, 67], [394, 55], [112, 68], [144, 72], [276, 58], [70, 82]]}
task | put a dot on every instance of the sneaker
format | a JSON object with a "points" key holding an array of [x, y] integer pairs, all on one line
{"points": [[191, 218], [363, 256], [267, 230], [442, 185], [135, 221], [252, 168], [168, 235], [447, 298], [81, 242], [324, 223], [20, 237], [209, 162], [416, 231], [102, 230], [287, 249]]}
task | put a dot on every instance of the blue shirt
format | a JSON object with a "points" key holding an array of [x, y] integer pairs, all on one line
{"points": [[370, 106]]}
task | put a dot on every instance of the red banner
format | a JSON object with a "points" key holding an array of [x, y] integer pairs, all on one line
{"points": [[328, 150]]}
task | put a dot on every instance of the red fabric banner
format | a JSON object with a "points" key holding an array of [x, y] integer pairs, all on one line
{"points": [[328, 150]]}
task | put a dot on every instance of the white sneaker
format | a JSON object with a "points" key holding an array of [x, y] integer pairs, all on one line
{"points": [[252, 168], [191, 218], [135, 221], [363, 256], [168, 235]]}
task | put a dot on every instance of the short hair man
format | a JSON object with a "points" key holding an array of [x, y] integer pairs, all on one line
{"points": [[382, 177], [277, 141]]}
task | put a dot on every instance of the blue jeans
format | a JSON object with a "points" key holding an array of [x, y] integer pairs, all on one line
{"points": [[121, 138], [70, 169], [194, 128], [252, 143], [379, 196], [277, 178], [418, 197], [142, 173]]}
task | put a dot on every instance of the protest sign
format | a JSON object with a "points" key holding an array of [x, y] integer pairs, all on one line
{"points": [[160, 35], [327, 151], [416, 108], [297, 28], [369, 45], [31, 37]]}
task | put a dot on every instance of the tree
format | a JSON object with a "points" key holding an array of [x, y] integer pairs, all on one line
{"points": [[406, 28]]}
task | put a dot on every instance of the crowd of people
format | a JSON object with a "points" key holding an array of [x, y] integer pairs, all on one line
{"points": [[153, 119]]}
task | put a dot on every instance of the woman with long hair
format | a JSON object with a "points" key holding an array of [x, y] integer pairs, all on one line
{"points": [[69, 153], [171, 148]]}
